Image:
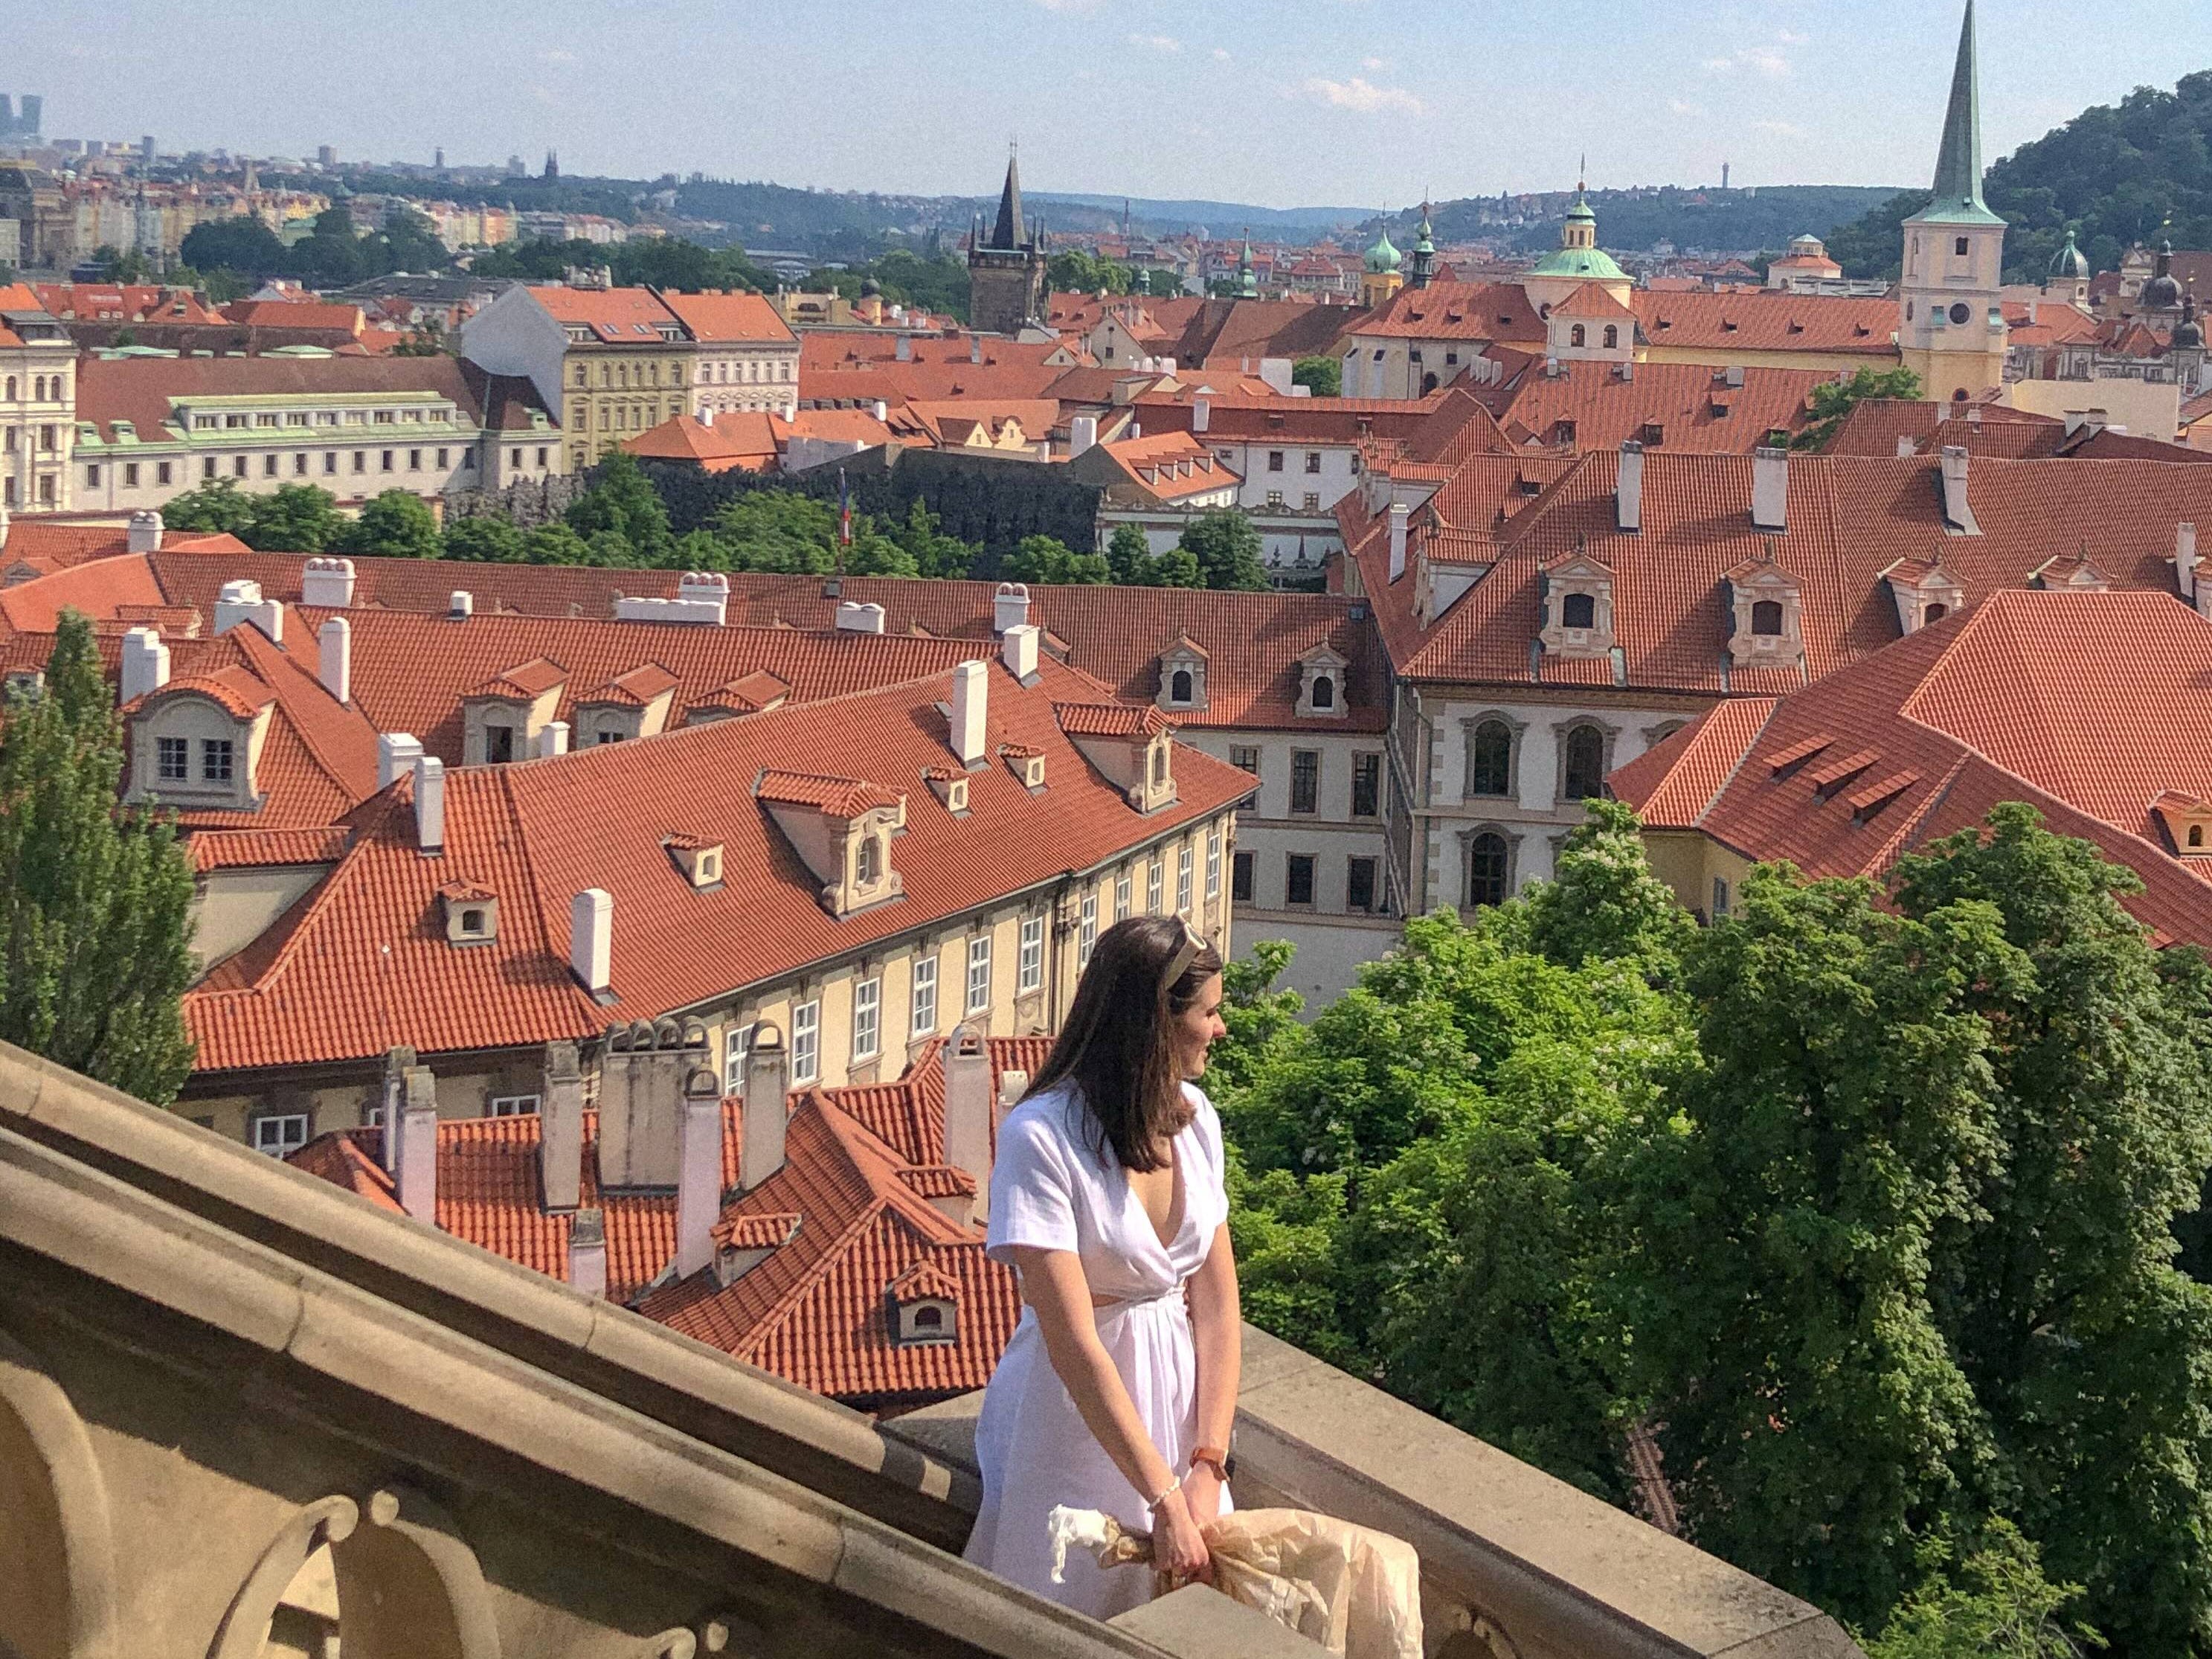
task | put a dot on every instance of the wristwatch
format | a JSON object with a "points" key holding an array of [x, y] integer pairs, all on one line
{"points": [[1223, 1462]]}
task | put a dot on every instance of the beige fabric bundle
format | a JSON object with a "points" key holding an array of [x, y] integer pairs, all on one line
{"points": [[1356, 1591]]}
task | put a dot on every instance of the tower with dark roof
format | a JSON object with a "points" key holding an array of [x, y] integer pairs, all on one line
{"points": [[1951, 327], [1423, 267], [1005, 274]]}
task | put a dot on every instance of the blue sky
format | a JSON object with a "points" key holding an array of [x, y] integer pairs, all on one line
{"points": [[1277, 102]]}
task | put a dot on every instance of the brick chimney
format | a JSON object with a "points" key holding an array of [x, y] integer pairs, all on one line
{"points": [[430, 806], [414, 1167], [698, 1170], [971, 691], [334, 665], [1018, 650], [1628, 495], [587, 1252], [143, 534], [591, 939], [767, 1106], [968, 1101], [1770, 488], [396, 754], [1399, 514], [145, 666], [561, 1128]]}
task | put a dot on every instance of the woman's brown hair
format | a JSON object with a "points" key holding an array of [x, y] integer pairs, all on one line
{"points": [[1117, 1047]]}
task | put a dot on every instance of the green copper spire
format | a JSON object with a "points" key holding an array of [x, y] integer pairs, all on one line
{"points": [[1958, 163]]}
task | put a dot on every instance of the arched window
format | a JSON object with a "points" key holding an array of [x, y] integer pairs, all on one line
{"points": [[1489, 861], [1578, 610], [2196, 835], [1324, 692], [11, 388], [1428, 384], [1934, 613], [1490, 760], [870, 861], [1159, 764], [929, 1319], [1179, 686], [1959, 396], [1612, 335], [1766, 617], [1585, 763], [1576, 336]]}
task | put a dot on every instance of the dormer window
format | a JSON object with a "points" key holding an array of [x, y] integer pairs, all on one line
{"points": [[471, 913], [842, 828], [1321, 683], [1924, 593], [698, 859], [1764, 607], [1027, 764], [1132, 748], [1577, 592], [922, 1307], [1578, 610], [1182, 675], [949, 786]]}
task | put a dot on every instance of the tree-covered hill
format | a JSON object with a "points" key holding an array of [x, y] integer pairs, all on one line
{"points": [[2115, 173], [1632, 221]]}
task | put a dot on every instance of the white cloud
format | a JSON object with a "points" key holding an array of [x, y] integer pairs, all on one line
{"points": [[1759, 60], [1681, 106], [1374, 62], [1220, 55], [1361, 95], [1156, 42], [1778, 129]]}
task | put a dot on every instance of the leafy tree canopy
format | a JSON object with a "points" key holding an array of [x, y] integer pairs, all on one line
{"points": [[1322, 376], [397, 524], [1833, 399], [1041, 559], [1227, 549]]}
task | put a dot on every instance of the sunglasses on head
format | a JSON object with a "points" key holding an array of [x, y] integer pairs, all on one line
{"points": [[1186, 953]]}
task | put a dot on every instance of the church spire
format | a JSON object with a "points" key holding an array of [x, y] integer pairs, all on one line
{"points": [[1958, 163], [1007, 232]]}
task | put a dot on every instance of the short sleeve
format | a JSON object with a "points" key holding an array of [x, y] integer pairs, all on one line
{"points": [[1205, 1128], [1032, 1187]]}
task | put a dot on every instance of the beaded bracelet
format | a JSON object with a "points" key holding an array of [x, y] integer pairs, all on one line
{"points": [[1166, 1493]]}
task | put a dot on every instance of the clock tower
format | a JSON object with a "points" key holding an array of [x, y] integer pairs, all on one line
{"points": [[1951, 326]]}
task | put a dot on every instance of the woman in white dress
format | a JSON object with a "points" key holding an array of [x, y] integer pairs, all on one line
{"points": [[1119, 1389]]}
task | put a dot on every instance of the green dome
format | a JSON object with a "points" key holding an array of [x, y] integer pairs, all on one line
{"points": [[1590, 264], [1582, 208], [2069, 262], [1383, 256], [1425, 242]]}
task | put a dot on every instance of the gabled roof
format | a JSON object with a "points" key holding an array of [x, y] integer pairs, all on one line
{"points": [[715, 318], [1454, 311], [1676, 406], [1766, 320]]}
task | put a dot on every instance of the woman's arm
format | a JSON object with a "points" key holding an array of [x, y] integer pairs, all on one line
{"points": [[1052, 1284], [1216, 1326]]}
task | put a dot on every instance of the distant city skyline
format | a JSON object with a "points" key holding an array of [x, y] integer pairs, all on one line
{"points": [[1292, 103]]}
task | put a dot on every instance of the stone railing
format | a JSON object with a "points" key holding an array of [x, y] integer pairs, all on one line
{"points": [[1515, 1563]]}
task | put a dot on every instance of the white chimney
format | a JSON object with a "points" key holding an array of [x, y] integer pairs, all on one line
{"points": [[1082, 435], [415, 1162], [461, 604], [1906, 449], [2184, 561], [698, 1171], [1958, 510], [396, 753], [856, 618], [768, 1106], [430, 806], [591, 939], [971, 691], [1201, 414], [587, 1253], [1628, 495], [145, 665], [975, 348], [334, 644], [1009, 605], [706, 416], [561, 1128], [554, 739], [1018, 650], [703, 597], [881, 411], [3, 523], [1770, 488], [1399, 514], [904, 350], [144, 533], [967, 1062], [1734, 374], [242, 602], [327, 583]]}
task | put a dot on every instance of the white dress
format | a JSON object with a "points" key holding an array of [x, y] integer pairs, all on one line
{"points": [[1051, 1189]]}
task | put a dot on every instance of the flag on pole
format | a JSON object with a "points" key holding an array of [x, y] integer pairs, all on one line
{"points": [[844, 511]]}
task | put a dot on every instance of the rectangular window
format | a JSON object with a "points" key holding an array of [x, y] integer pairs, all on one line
{"points": [[1313, 501], [92, 474], [1032, 958], [215, 760], [1155, 885], [207, 467], [867, 1019], [1305, 780], [299, 465], [514, 1105], [922, 1017], [1274, 460], [1274, 498], [806, 1042], [130, 475], [1121, 897], [360, 461], [1213, 862], [237, 466], [1720, 899], [414, 460], [979, 975], [736, 1049], [280, 1133], [386, 462], [541, 456], [162, 474], [1313, 460], [1240, 878], [330, 462], [498, 745], [171, 753], [1366, 785], [442, 460], [1359, 883], [1086, 935], [1183, 862], [1245, 759], [268, 466], [1298, 879]]}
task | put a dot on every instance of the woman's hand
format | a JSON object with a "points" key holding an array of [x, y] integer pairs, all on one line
{"points": [[1177, 1548], [1201, 1489]]}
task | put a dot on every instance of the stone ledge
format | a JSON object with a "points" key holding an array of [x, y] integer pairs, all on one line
{"points": [[1198, 1622]]}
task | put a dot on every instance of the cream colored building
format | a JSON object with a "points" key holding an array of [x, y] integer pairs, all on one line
{"points": [[37, 404]]}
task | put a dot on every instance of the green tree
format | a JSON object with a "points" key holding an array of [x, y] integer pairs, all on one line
{"points": [[241, 244], [1227, 549], [554, 544], [1995, 1603], [485, 537], [622, 499], [217, 507], [1322, 376], [1606, 904], [95, 952], [934, 553], [1833, 399], [777, 531], [294, 518], [1041, 559], [1131, 563], [397, 524]]}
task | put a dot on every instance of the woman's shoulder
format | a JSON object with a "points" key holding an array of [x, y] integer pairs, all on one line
{"points": [[1043, 1115], [1203, 1117]]}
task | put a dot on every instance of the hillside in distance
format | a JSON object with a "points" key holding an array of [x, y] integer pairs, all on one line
{"points": [[1763, 218]]}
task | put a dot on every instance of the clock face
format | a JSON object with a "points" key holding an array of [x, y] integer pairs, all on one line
{"points": [[1961, 311]]}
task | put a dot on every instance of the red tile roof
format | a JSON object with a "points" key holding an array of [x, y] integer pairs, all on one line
{"points": [[143, 390], [1455, 311], [240, 849], [716, 317], [1678, 406], [615, 316], [1873, 426], [841, 797], [1766, 320]]}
